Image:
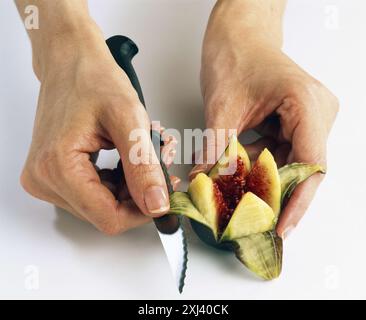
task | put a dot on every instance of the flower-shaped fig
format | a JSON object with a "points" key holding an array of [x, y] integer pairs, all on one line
{"points": [[239, 211]]}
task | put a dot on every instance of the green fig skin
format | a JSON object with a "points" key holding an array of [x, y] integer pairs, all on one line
{"points": [[293, 174], [206, 235], [261, 253]]}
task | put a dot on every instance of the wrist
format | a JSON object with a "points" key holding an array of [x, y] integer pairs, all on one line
{"points": [[248, 20], [55, 49], [65, 28]]}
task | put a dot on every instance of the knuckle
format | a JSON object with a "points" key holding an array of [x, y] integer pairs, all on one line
{"points": [[117, 105], [315, 154], [111, 229], [305, 95], [26, 181], [109, 224], [335, 104], [320, 158], [304, 91], [31, 185], [44, 165], [50, 165], [145, 171], [310, 89], [125, 110]]}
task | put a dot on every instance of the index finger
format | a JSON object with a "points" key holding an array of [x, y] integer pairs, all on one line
{"points": [[81, 186]]}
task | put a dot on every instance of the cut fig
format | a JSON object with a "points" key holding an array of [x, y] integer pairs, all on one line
{"points": [[229, 175], [295, 173], [229, 190], [264, 181], [228, 161], [181, 204], [261, 253], [201, 192], [238, 209], [251, 216], [206, 235]]}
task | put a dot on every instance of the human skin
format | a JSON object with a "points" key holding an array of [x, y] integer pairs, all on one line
{"points": [[246, 79], [249, 83], [86, 104]]}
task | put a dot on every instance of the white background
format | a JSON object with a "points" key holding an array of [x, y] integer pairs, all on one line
{"points": [[324, 257]]}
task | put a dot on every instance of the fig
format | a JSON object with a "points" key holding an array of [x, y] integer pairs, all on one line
{"points": [[236, 207], [233, 152], [295, 173], [264, 181], [251, 216], [261, 253], [181, 204], [202, 193]]}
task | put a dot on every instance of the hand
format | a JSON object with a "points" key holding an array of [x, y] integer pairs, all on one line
{"points": [[86, 104], [249, 83]]}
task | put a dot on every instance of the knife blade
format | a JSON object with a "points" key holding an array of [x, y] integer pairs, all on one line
{"points": [[169, 227]]}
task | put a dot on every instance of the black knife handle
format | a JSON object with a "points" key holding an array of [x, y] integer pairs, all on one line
{"points": [[123, 51]]}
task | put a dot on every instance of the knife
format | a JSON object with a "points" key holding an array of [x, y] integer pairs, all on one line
{"points": [[169, 227]]}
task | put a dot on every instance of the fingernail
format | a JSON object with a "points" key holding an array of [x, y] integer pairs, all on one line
{"points": [[287, 232], [156, 200]]}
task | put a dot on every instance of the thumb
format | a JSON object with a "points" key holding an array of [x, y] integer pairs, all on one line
{"points": [[143, 173]]}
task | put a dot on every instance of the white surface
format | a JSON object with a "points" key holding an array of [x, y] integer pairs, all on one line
{"points": [[324, 258]]}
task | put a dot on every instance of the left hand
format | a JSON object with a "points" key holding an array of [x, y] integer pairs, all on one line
{"points": [[249, 83]]}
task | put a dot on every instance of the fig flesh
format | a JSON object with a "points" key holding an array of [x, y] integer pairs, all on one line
{"points": [[264, 181], [202, 193], [251, 216], [226, 164]]}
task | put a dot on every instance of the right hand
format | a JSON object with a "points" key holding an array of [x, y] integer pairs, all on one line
{"points": [[87, 103]]}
